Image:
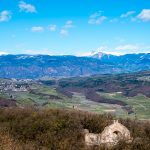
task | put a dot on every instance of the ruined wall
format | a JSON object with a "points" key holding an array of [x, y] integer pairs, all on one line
{"points": [[111, 135]]}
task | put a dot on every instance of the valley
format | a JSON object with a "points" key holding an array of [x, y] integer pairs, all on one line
{"points": [[74, 75], [122, 95]]}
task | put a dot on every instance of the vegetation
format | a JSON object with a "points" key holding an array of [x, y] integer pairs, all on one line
{"points": [[123, 95], [140, 104], [128, 84], [43, 129]]}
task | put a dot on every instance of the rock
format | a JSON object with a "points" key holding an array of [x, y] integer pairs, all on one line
{"points": [[110, 136]]}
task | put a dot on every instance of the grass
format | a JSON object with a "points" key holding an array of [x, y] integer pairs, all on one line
{"points": [[79, 102], [47, 90], [139, 103], [91, 106], [28, 98]]}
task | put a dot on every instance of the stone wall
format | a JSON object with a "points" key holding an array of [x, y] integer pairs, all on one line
{"points": [[111, 135]]}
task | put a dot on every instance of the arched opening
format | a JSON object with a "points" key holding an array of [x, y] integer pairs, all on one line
{"points": [[117, 134]]}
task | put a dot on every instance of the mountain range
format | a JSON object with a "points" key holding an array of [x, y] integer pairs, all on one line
{"points": [[38, 66]]}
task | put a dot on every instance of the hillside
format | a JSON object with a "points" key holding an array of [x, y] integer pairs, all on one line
{"points": [[38, 66], [42, 129]]}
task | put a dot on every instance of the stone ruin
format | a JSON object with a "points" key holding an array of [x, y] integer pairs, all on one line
{"points": [[110, 136]]}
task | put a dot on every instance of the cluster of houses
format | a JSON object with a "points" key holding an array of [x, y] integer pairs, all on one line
{"points": [[15, 85]]}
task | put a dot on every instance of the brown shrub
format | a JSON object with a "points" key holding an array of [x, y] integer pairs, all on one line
{"points": [[43, 129]]}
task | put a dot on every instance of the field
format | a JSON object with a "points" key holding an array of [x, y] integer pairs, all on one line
{"points": [[140, 104], [78, 101], [45, 96], [124, 95]]}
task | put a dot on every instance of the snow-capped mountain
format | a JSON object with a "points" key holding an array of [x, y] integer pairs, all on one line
{"points": [[37, 66]]}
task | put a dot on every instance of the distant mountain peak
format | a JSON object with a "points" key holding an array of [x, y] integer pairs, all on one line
{"points": [[37, 66], [98, 54], [102, 52]]}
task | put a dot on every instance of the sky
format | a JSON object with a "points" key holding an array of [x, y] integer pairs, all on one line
{"points": [[74, 27]]}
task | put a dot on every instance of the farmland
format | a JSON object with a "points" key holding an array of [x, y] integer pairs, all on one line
{"points": [[121, 95]]}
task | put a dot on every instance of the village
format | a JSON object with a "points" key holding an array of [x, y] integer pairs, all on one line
{"points": [[14, 85]]}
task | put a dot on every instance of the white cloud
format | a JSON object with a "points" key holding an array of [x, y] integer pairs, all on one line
{"points": [[144, 15], [64, 32], [127, 47], [97, 18], [132, 48], [69, 24], [129, 13], [5, 16], [52, 27], [27, 7], [3, 53], [65, 29], [37, 29]]}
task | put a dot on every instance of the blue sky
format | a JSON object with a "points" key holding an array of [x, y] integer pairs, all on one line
{"points": [[74, 27]]}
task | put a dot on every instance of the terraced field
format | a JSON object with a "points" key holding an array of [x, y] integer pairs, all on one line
{"points": [[140, 103], [51, 98], [44, 96]]}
